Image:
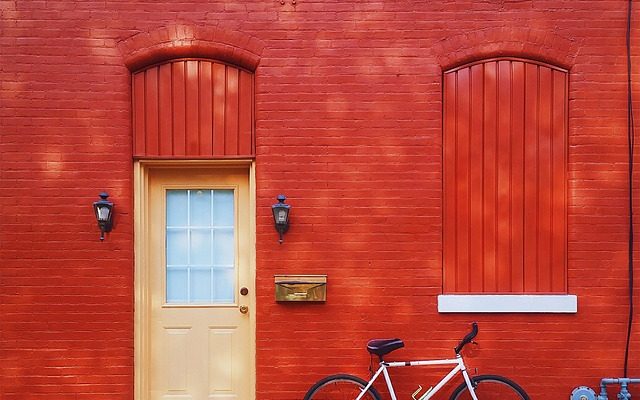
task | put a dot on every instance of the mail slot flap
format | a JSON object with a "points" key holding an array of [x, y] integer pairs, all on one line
{"points": [[301, 287]]}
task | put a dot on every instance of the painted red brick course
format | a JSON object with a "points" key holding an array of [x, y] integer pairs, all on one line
{"points": [[349, 127]]}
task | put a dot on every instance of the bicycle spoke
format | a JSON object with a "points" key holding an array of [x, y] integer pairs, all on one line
{"points": [[492, 389], [340, 387]]}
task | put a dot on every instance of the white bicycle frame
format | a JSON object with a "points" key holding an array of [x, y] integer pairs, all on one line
{"points": [[459, 367]]}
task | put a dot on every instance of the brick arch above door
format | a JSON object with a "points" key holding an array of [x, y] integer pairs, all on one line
{"points": [[186, 41], [530, 43]]}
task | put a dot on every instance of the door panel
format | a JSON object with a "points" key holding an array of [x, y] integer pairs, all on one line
{"points": [[201, 345]]}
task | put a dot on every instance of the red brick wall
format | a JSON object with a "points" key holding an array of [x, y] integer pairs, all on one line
{"points": [[348, 126]]}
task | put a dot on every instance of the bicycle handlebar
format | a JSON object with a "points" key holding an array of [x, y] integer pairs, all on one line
{"points": [[468, 338]]}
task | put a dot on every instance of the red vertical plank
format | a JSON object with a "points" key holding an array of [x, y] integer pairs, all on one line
{"points": [[503, 214], [476, 256], [165, 135], [151, 111], [544, 181], [138, 115], [205, 109], [231, 113], [178, 107], [449, 212], [219, 97], [192, 100], [559, 197], [517, 176], [531, 179], [490, 174], [462, 178], [245, 115]]}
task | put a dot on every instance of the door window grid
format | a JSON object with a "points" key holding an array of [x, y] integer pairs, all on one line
{"points": [[200, 248]]}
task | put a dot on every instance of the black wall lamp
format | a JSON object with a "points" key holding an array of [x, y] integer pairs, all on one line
{"points": [[281, 216], [104, 214]]}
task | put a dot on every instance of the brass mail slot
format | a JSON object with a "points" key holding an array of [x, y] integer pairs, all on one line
{"points": [[301, 287]]}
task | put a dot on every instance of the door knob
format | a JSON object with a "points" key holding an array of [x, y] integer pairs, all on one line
{"points": [[244, 309]]}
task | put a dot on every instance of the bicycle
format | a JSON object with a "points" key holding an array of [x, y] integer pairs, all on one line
{"points": [[481, 387]]}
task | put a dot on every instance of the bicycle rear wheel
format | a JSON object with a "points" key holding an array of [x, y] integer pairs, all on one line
{"points": [[490, 387], [341, 387]]}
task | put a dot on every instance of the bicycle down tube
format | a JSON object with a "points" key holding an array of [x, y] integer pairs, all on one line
{"points": [[459, 367]]}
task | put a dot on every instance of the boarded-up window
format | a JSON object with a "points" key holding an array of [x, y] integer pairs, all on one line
{"points": [[193, 109], [505, 130]]}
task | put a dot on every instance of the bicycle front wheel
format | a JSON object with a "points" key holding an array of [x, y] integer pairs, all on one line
{"points": [[341, 387], [490, 387]]}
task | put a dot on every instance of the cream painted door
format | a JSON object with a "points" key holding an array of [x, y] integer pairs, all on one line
{"points": [[201, 342]]}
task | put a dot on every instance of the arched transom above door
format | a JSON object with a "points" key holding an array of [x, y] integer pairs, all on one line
{"points": [[193, 108]]}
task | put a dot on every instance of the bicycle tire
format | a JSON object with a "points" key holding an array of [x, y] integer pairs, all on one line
{"points": [[490, 387], [341, 387]]}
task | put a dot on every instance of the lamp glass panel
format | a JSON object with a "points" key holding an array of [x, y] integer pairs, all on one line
{"points": [[281, 216], [103, 212]]}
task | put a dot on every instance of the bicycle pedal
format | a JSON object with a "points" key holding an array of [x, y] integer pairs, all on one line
{"points": [[416, 392], [423, 396]]}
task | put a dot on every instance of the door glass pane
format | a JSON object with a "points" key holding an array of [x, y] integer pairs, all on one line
{"points": [[221, 206], [176, 208], [200, 285], [200, 246], [223, 252], [200, 207], [177, 291], [177, 240], [223, 292]]}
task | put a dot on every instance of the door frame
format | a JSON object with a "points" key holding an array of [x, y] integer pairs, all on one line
{"points": [[142, 313]]}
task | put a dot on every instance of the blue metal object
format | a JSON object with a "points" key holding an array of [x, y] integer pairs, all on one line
{"points": [[586, 393], [624, 393], [583, 393]]}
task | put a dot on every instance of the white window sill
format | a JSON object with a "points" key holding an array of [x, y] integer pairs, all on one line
{"points": [[507, 303]]}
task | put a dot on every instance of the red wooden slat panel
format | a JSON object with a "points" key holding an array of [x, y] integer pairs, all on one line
{"points": [[206, 108], [192, 125], [489, 176], [151, 110], [544, 181], [245, 114], [531, 179], [231, 113], [219, 107], [504, 178], [517, 176], [165, 134], [138, 109], [476, 256], [193, 109], [178, 91], [449, 233], [559, 222], [462, 180], [503, 209]]}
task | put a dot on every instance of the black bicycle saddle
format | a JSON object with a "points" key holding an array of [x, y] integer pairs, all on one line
{"points": [[381, 347]]}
